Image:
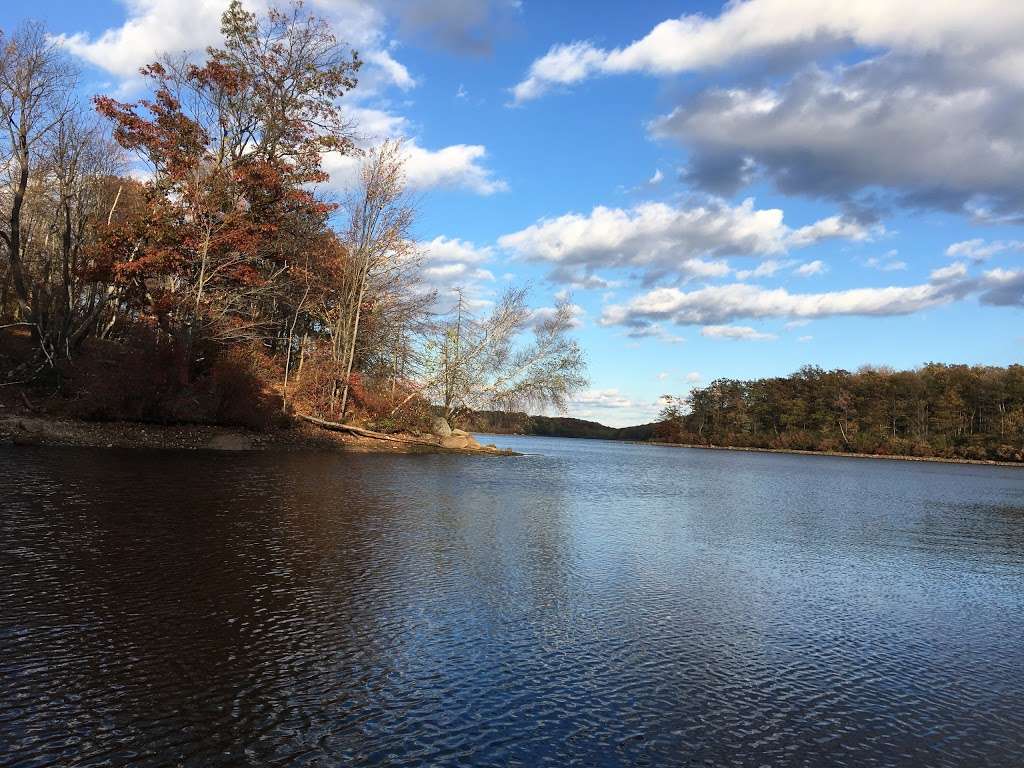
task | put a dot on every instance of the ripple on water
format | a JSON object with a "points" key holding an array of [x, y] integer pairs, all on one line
{"points": [[594, 604]]}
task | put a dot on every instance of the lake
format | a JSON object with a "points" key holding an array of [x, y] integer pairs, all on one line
{"points": [[590, 603]]}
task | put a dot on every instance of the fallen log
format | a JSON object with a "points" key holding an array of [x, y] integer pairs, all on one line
{"points": [[337, 426]]}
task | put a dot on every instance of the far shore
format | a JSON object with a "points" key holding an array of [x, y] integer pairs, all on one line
{"points": [[797, 451], [43, 431], [839, 454]]}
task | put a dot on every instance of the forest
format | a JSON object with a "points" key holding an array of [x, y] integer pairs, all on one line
{"points": [[518, 423], [950, 411], [182, 258]]}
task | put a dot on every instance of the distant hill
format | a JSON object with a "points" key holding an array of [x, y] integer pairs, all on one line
{"points": [[517, 423]]}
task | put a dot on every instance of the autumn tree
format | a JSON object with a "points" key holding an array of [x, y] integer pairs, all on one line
{"points": [[235, 147]]}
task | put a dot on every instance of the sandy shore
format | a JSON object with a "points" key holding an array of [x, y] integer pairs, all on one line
{"points": [[34, 430]]}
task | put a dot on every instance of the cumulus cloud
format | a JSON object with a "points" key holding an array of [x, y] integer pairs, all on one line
{"points": [[562, 65], [978, 250], [926, 115], [455, 166], [766, 268], [811, 268], [792, 29], [612, 407], [658, 239], [452, 266], [154, 27], [827, 229], [836, 134], [459, 166], [1003, 288], [723, 304], [952, 272], [735, 333]]}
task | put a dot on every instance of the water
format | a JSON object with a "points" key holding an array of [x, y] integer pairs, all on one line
{"points": [[593, 604]]}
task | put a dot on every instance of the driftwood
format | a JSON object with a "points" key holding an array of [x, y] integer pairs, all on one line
{"points": [[337, 426]]}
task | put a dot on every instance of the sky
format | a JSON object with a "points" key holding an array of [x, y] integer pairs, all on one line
{"points": [[721, 190]]}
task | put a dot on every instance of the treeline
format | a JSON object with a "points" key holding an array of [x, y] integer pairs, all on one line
{"points": [[518, 423], [182, 258], [952, 411]]}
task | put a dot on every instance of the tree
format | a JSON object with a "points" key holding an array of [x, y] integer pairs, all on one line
{"points": [[235, 145], [36, 95], [379, 241], [475, 364]]}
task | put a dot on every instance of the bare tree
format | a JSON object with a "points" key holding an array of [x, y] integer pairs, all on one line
{"points": [[36, 95], [380, 217], [473, 363]]}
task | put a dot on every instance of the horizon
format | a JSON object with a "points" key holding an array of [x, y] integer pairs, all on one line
{"points": [[832, 191]]}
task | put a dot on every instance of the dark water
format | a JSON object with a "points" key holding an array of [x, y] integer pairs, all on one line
{"points": [[596, 605]]}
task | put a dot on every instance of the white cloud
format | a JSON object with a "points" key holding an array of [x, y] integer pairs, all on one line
{"points": [[978, 250], [612, 407], [950, 80], [562, 65], [952, 272], [805, 339], [827, 229], [987, 29], [396, 73], [659, 239], [459, 166], [735, 333], [657, 178], [811, 268], [766, 268], [663, 375], [725, 303], [456, 166], [451, 265], [888, 263], [155, 27], [452, 249], [693, 377]]}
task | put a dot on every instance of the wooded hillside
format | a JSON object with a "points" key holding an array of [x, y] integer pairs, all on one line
{"points": [[953, 411]]}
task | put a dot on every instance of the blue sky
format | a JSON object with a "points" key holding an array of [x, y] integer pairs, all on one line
{"points": [[723, 191]]}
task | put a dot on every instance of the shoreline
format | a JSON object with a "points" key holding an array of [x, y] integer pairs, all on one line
{"points": [[28, 430], [796, 451], [835, 454]]}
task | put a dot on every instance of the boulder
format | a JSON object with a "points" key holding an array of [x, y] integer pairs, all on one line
{"points": [[440, 428], [461, 442], [460, 432]]}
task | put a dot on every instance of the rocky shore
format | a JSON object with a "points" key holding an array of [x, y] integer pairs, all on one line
{"points": [[35, 430]]}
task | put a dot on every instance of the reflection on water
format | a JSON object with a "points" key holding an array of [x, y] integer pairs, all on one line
{"points": [[588, 604]]}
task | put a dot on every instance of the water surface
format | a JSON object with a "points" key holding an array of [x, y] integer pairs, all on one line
{"points": [[590, 604]]}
